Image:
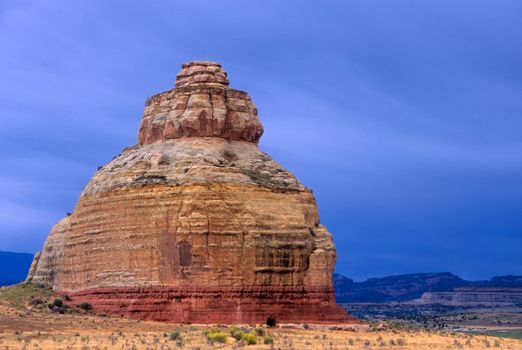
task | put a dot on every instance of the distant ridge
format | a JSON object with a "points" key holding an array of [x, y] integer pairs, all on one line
{"points": [[14, 267], [411, 286]]}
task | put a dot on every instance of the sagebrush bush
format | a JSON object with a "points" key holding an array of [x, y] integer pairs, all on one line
{"points": [[175, 335], [218, 337], [36, 301], [269, 339], [249, 338], [236, 332], [215, 335]]}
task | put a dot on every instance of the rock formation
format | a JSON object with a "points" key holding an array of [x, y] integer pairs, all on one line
{"points": [[473, 297], [195, 223]]}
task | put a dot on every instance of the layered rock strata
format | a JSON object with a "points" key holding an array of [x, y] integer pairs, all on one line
{"points": [[473, 297], [195, 223]]}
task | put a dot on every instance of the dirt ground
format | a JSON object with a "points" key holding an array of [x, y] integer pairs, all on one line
{"points": [[20, 329], [24, 325]]}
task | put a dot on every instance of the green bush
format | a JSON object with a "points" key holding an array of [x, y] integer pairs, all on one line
{"points": [[236, 333], [249, 338], [175, 335], [260, 331], [269, 339], [215, 335], [218, 337]]}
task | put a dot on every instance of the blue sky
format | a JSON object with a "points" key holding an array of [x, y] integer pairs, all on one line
{"points": [[405, 117]]}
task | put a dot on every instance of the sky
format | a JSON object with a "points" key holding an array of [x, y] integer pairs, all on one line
{"points": [[405, 117]]}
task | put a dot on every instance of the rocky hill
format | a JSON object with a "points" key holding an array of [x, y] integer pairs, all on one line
{"points": [[473, 297], [429, 287]]}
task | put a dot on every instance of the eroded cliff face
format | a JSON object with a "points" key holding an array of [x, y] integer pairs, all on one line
{"points": [[195, 223]]}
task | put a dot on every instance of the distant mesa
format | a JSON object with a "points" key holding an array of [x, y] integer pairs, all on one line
{"points": [[195, 223], [431, 289]]}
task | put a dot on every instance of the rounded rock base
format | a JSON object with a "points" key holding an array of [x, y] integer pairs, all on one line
{"points": [[227, 306]]}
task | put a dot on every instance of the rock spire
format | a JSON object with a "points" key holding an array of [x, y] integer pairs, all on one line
{"points": [[201, 105]]}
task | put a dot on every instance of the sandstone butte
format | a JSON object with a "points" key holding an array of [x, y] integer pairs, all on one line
{"points": [[194, 223]]}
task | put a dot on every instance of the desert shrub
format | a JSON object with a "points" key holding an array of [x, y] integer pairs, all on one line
{"points": [[217, 337], [249, 338], [260, 178], [401, 342], [366, 343], [237, 333], [36, 301], [260, 331], [57, 302], [229, 156], [214, 335], [392, 342], [179, 341], [486, 343], [86, 306], [60, 309], [271, 321], [174, 335], [350, 341], [269, 339]]}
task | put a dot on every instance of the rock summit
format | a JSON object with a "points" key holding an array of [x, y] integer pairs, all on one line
{"points": [[195, 223]]}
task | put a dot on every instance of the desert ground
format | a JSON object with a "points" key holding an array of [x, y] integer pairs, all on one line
{"points": [[28, 320]]}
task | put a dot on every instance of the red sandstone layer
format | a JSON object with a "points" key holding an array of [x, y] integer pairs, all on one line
{"points": [[235, 305]]}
